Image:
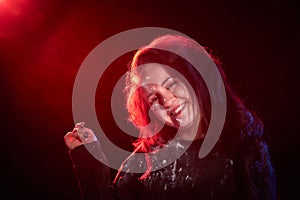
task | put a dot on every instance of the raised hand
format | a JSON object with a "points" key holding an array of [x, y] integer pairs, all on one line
{"points": [[79, 135]]}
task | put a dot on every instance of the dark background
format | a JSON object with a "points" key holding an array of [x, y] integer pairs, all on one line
{"points": [[43, 43]]}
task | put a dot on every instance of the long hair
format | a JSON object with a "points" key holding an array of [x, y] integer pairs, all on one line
{"points": [[138, 108], [239, 122]]}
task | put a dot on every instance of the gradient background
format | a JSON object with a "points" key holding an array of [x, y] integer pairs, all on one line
{"points": [[43, 43]]}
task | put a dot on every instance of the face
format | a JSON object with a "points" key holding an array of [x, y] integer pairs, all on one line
{"points": [[169, 97]]}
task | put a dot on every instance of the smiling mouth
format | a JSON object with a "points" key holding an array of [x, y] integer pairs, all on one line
{"points": [[177, 111]]}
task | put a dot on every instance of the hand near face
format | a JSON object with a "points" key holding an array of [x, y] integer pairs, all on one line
{"points": [[171, 99], [78, 136]]}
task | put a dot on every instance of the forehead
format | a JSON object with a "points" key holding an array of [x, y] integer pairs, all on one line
{"points": [[153, 73]]}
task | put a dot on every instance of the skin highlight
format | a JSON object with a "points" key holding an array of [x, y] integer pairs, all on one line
{"points": [[170, 99]]}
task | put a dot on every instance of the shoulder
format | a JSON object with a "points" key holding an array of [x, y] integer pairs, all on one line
{"points": [[253, 159], [252, 125]]}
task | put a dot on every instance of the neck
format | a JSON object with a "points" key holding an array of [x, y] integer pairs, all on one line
{"points": [[191, 133]]}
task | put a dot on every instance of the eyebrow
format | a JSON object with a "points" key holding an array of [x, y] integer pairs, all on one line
{"points": [[162, 84], [167, 79]]}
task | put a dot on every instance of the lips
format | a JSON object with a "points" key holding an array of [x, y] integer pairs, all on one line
{"points": [[175, 112]]}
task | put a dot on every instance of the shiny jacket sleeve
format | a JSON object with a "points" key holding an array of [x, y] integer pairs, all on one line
{"points": [[256, 176], [93, 176]]}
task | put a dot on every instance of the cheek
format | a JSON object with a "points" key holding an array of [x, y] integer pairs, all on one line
{"points": [[161, 114], [181, 91]]}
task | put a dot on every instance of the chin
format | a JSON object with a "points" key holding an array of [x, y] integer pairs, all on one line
{"points": [[186, 123]]}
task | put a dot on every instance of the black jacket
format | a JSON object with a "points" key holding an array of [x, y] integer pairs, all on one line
{"points": [[216, 176]]}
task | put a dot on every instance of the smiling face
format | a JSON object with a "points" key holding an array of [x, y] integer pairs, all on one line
{"points": [[169, 97]]}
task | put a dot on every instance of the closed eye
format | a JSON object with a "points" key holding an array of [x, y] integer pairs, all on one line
{"points": [[171, 85], [152, 99]]}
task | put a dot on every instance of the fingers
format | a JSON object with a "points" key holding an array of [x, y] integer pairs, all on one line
{"points": [[80, 125], [80, 135], [73, 134], [86, 135], [72, 140]]}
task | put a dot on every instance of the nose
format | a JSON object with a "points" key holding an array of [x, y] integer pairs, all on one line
{"points": [[168, 99]]}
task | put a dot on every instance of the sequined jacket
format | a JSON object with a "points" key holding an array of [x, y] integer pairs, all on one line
{"points": [[247, 174]]}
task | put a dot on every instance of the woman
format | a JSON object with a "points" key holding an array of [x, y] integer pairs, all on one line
{"points": [[165, 84]]}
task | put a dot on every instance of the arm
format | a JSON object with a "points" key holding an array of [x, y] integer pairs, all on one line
{"points": [[93, 177]]}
